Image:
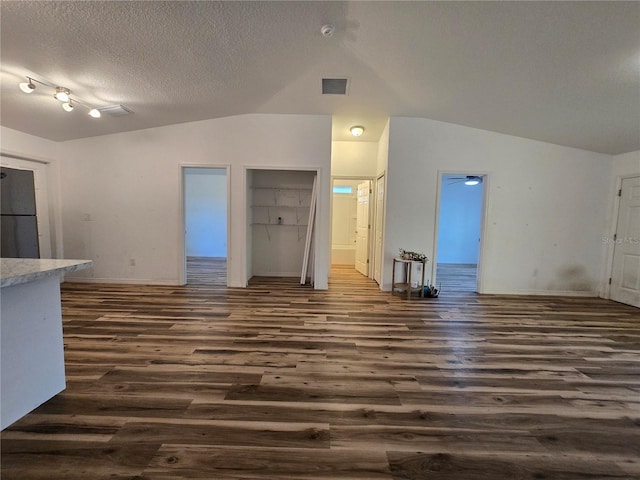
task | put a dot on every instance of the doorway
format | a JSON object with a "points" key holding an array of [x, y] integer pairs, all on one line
{"points": [[625, 275], [205, 201], [280, 240], [45, 247], [350, 224], [459, 232]]}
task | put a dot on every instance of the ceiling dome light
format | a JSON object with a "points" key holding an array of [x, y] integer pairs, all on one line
{"points": [[472, 181], [356, 130], [62, 94], [27, 87], [94, 112], [67, 106]]}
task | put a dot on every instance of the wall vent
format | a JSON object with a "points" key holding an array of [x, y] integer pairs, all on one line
{"points": [[334, 86], [115, 110]]}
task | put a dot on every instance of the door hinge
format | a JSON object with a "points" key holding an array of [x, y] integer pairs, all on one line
{"points": [[620, 192], [615, 237], [609, 280], [367, 260]]}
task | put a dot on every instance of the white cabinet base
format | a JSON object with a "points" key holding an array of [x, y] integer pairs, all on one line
{"points": [[32, 352]]}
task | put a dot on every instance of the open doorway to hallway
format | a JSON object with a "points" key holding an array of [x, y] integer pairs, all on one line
{"points": [[459, 232], [205, 218], [350, 224]]}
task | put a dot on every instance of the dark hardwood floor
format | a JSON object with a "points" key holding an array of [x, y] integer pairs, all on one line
{"points": [[278, 381]]}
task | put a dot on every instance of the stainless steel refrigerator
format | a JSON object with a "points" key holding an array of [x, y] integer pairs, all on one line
{"points": [[19, 234]]}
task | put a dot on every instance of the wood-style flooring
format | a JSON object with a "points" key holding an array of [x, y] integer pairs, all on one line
{"points": [[456, 277], [278, 381], [206, 271]]}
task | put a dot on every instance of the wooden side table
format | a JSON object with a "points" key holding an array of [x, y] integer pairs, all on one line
{"points": [[407, 280]]}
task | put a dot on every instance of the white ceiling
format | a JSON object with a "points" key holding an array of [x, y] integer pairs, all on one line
{"points": [[561, 72]]}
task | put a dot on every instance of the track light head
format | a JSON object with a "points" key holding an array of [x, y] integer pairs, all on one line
{"points": [[67, 106], [62, 94], [95, 113], [28, 87]]}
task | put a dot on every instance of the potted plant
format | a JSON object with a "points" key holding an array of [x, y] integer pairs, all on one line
{"points": [[414, 256]]}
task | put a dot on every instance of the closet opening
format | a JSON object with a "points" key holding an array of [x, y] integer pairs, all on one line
{"points": [[281, 220]]}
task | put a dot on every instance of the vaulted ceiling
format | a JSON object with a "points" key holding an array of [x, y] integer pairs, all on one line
{"points": [[561, 72]]}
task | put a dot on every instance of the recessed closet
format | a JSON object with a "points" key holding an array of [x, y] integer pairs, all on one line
{"points": [[279, 204]]}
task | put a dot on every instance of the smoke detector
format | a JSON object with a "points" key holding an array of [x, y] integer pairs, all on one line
{"points": [[327, 30]]}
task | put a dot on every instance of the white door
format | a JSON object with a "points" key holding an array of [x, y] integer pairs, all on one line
{"points": [[362, 229], [625, 279], [378, 230]]}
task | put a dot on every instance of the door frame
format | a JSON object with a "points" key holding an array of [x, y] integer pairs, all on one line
{"points": [[367, 195], [41, 188], [360, 178], [378, 260], [483, 221], [316, 267], [608, 240], [182, 262]]}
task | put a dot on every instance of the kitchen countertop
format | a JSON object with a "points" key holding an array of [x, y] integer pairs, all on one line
{"points": [[14, 271]]}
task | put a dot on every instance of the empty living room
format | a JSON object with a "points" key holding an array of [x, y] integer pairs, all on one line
{"points": [[312, 240]]}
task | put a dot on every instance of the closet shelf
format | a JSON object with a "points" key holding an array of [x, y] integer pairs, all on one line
{"points": [[282, 197], [267, 226]]}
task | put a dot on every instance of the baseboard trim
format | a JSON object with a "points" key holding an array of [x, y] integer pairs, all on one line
{"points": [[276, 274], [126, 281], [550, 293]]}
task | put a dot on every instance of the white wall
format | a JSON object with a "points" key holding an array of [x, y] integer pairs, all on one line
{"points": [[549, 207], [546, 205], [354, 159], [382, 156], [206, 212], [42, 155], [626, 164], [122, 192]]}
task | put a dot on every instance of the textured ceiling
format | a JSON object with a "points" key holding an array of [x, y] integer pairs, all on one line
{"points": [[561, 72]]}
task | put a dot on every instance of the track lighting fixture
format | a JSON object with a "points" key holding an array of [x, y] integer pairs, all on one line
{"points": [[63, 95]]}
